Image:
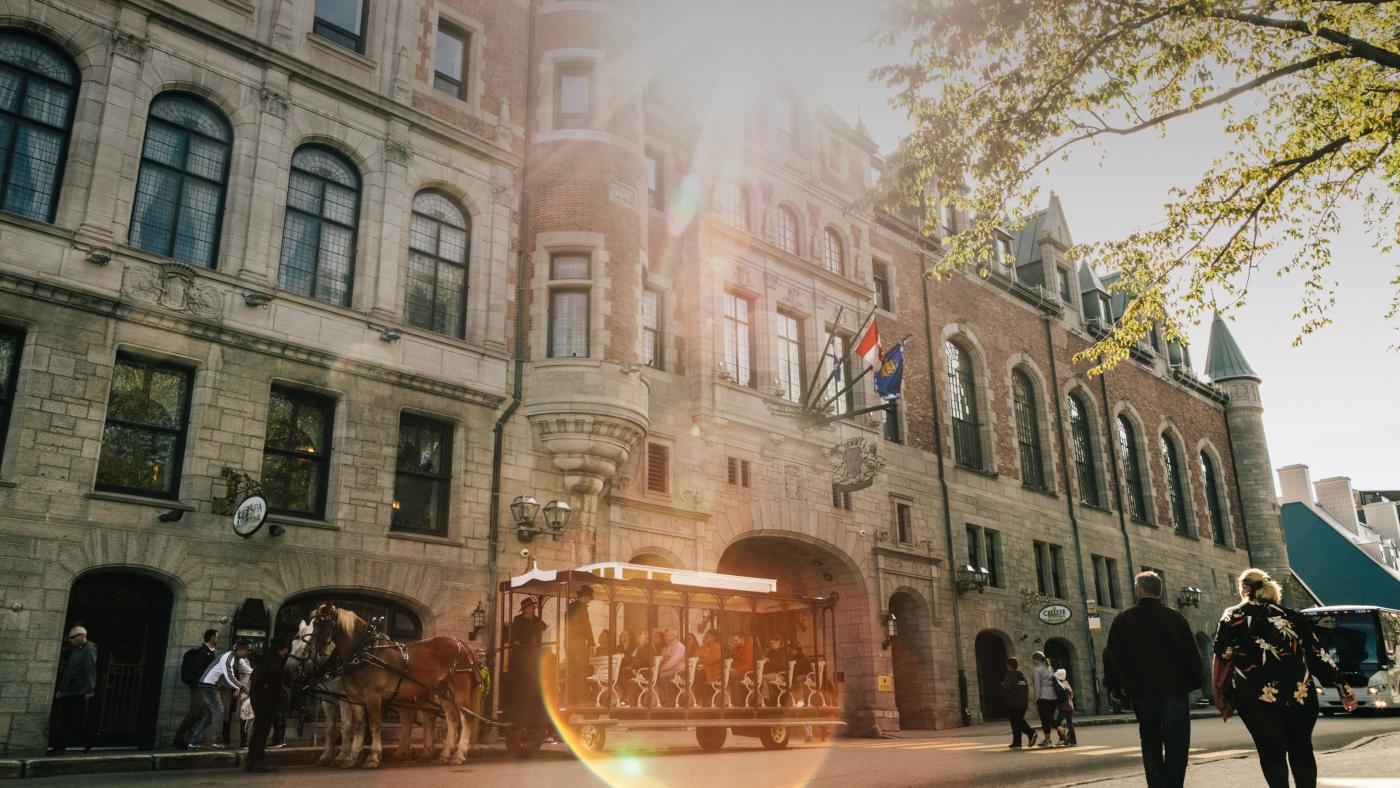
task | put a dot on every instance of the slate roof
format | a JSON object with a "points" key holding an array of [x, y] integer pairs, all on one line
{"points": [[1331, 566], [1224, 360]]}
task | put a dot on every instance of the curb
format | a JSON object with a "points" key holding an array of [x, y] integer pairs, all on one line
{"points": [[970, 731]]}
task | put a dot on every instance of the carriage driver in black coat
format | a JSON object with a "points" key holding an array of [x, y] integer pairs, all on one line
{"points": [[267, 690]]}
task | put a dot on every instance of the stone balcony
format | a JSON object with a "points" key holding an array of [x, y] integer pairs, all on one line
{"points": [[588, 414]]}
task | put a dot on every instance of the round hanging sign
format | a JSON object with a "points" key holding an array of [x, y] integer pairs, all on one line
{"points": [[1054, 614], [250, 516]]}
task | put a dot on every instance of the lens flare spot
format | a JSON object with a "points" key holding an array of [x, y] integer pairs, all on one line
{"points": [[684, 205]]}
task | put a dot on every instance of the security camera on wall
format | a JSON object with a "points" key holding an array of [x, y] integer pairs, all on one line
{"points": [[524, 552]]}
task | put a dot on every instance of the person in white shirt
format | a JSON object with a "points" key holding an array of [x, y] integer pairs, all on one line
{"points": [[672, 661], [221, 677]]}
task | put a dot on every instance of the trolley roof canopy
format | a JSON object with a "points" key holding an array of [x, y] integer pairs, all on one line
{"points": [[635, 583]]}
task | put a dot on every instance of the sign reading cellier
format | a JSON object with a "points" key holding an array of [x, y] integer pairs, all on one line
{"points": [[250, 516], [1054, 614]]}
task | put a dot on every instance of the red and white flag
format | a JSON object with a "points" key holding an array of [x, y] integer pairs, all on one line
{"points": [[868, 346]]}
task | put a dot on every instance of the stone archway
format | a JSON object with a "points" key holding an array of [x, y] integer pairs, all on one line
{"points": [[127, 616], [803, 565], [991, 652], [912, 661]]}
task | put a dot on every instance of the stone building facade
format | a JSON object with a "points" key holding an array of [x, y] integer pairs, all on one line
{"points": [[426, 257]]}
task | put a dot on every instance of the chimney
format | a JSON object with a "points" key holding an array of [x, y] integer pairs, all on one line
{"points": [[1384, 519], [1335, 496], [1296, 484]]}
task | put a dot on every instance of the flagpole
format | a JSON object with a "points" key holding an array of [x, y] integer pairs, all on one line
{"points": [[832, 373], [830, 336], [857, 378]]}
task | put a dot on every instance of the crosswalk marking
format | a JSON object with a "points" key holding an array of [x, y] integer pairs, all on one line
{"points": [[1115, 751], [1076, 748], [1200, 750], [1219, 754], [962, 745]]}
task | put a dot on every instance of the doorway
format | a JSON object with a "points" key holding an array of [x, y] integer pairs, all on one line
{"points": [[912, 662], [127, 617], [1060, 652], [991, 669]]}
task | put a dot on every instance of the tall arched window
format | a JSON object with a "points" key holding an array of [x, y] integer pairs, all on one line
{"points": [[734, 205], [962, 402], [833, 253], [438, 237], [1217, 513], [38, 90], [1027, 430], [1176, 486], [787, 229], [1084, 462], [318, 240], [1132, 468], [180, 192]]}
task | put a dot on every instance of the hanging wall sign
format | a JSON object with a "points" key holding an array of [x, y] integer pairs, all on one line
{"points": [[1054, 614], [250, 516]]}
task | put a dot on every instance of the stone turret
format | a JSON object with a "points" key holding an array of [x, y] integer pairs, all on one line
{"points": [[1244, 413]]}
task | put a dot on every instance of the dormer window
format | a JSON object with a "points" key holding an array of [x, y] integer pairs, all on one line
{"points": [[1001, 250], [1062, 280]]}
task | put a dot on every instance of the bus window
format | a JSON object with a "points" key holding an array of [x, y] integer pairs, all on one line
{"points": [[1350, 638]]}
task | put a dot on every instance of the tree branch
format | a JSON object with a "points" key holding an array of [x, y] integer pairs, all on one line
{"points": [[1358, 47]]}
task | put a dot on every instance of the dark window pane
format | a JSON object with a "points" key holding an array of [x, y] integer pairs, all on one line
{"points": [[153, 213], [296, 451], [451, 54], [418, 504], [33, 176], [1084, 463], [318, 246], [180, 191], [344, 14], [293, 484], [1027, 431], [435, 296], [1132, 469], [137, 459], [422, 484], [147, 410], [962, 398]]}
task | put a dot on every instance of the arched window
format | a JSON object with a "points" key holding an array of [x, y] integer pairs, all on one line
{"points": [[180, 192], [787, 229], [38, 90], [318, 240], [1084, 462], [833, 254], [1027, 430], [734, 205], [1217, 513], [1176, 487], [962, 401], [439, 234], [1132, 468]]}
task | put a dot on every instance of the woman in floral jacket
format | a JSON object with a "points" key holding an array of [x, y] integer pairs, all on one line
{"points": [[1266, 658]]}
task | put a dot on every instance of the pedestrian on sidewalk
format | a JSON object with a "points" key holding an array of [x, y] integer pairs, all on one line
{"points": [[1046, 699], [76, 687], [267, 690], [1152, 657], [192, 667], [1064, 723], [1266, 657], [1015, 696], [218, 681]]}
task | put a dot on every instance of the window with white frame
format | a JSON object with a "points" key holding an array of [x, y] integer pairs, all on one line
{"points": [[651, 328], [738, 339], [787, 229], [450, 60], [573, 96], [569, 306], [833, 252], [733, 203], [789, 357]]}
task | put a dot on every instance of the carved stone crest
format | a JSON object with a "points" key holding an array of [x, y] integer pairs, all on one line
{"points": [[854, 463], [128, 44], [175, 287], [273, 102], [398, 152]]}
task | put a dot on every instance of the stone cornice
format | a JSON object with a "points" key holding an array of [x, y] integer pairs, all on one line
{"points": [[154, 318]]}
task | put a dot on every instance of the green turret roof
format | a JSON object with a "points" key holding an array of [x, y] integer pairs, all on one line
{"points": [[1224, 360]]}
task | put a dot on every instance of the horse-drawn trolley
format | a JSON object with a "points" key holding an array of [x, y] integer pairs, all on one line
{"points": [[616, 647]]}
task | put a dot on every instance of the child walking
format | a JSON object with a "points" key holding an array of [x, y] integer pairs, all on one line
{"points": [[1064, 722]]}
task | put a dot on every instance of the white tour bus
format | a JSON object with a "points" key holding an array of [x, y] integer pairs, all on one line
{"points": [[1364, 640]]}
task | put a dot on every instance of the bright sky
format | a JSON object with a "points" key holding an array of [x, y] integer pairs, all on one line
{"points": [[1328, 404]]}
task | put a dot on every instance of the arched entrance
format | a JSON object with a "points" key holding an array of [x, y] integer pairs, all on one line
{"points": [[636, 619], [399, 622], [1060, 652], [803, 566], [912, 660], [990, 649], [127, 616]]}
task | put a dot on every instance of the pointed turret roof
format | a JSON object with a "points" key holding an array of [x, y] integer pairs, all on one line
{"points": [[1225, 361]]}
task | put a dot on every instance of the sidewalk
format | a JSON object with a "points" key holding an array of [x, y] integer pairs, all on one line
{"points": [[1372, 761], [999, 727]]}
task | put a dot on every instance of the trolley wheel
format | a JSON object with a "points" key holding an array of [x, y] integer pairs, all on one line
{"points": [[523, 742], [591, 739], [1328, 712], [711, 739], [774, 737]]}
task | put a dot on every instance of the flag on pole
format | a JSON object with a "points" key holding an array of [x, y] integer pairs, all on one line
{"points": [[868, 346], [889, 376]]}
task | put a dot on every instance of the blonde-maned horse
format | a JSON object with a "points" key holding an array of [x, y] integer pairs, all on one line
{"points": [[440, 671], [337, 712]]}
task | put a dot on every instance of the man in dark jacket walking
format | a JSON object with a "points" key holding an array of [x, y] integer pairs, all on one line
{"points": [[267, 691], [192, 667], [1152, 658], [1015, 696], [76, 686]]}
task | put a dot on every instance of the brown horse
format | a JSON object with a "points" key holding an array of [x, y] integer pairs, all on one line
{"points": [[439, 672]]}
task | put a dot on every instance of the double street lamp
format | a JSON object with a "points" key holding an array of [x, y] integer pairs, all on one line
{"points": [[1189, 596], [525, 509], [970, 577]]}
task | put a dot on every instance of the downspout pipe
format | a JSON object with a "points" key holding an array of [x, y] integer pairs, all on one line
{"points": [[493, 531], [943, 490], [1069, 507]]}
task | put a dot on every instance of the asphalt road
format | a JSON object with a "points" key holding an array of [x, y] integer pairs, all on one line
{"points": [[659, 761]]}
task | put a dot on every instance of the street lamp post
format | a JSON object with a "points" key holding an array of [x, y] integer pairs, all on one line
{"points": [[524, 510], [970, 577]]}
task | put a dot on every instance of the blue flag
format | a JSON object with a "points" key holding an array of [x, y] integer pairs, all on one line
{"points": [[889, 376]]}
